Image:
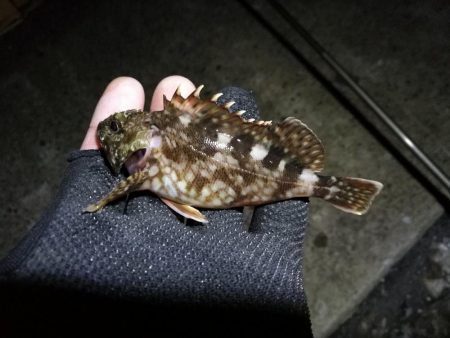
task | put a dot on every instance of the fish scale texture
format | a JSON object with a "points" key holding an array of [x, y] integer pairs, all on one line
{"points": [[149, 256]]}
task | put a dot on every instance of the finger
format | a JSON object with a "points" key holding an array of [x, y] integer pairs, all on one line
{"points": [[167, 87], [121, 94]]}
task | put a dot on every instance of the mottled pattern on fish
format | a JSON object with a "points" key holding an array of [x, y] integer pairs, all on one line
{"points": [[197, 153]]}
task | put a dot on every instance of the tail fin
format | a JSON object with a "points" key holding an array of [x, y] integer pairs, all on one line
{"points": [[354, 195]]}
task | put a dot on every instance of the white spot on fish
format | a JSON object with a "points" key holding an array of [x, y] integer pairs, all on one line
{"points": [[153, 170], [189, 176], [216, 202], [223, 140], [308, 176], [219, 157], [331, 192], [259, 152], [173, 176], [146, 185], [156, 184], [185, 119], [231, 192], [205, 192], [181, 186], [204, 173], [168, 184], [228, 199], [218, 185], [232, 161], [281, 165]]}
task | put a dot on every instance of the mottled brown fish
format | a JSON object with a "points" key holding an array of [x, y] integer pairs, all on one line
{"points": [[196, 153]]}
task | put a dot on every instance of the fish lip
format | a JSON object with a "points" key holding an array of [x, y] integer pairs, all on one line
{"points": [[114, 165], [116, 170]]}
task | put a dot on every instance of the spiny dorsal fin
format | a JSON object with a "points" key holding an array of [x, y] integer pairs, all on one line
{"points": [[197, 91], [176, 100], [193, 104], [197, 107], [216, 96], [229, 104], [302, 142], [293, 135]]}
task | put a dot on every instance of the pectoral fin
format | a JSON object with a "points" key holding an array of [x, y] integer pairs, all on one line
{"points": [[186, 211], [124, 187]]}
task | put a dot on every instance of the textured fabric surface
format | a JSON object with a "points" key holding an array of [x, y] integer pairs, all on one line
{"points": [[148, 255]]}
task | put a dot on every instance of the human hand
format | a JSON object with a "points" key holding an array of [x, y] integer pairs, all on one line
{"points": [[149, 256]]}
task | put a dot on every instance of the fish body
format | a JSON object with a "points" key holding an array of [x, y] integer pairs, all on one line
{"points": [[196, 153]]}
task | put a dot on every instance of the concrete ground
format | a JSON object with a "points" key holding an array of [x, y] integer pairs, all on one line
{"points": [[54, 66], [413, 300]]}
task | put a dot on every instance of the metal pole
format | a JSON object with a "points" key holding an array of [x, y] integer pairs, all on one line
{"points": [[394, 127]]}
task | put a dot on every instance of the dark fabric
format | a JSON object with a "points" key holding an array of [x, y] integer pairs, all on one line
{"points": [[149, 264]]}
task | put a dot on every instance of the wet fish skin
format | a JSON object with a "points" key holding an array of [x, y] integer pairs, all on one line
{"points": [[195, 153]]}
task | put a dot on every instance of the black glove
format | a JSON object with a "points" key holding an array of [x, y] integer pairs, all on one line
{"points": [[148, 264]]}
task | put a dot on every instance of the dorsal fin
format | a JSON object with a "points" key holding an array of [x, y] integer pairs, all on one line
{"points": [[194, 105], [300, 141], [293, 135]]}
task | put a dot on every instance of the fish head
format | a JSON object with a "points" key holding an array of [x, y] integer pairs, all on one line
{"points": [[126, 138]]}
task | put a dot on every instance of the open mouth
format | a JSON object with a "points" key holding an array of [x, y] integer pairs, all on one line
{"points": [[136, 161]]}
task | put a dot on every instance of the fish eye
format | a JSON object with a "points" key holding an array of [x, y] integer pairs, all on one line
{"points": [[114, 126]]}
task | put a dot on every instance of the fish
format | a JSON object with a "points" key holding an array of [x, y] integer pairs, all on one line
{"points": [[196, 153]]}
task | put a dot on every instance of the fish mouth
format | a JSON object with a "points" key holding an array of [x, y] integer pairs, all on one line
{"points": [[136, 161]]}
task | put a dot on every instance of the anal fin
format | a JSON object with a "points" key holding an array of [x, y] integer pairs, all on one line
{"points": [[186, 211]]}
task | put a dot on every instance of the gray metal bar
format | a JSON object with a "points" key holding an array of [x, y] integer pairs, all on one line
{"points": [[394, 127]]}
